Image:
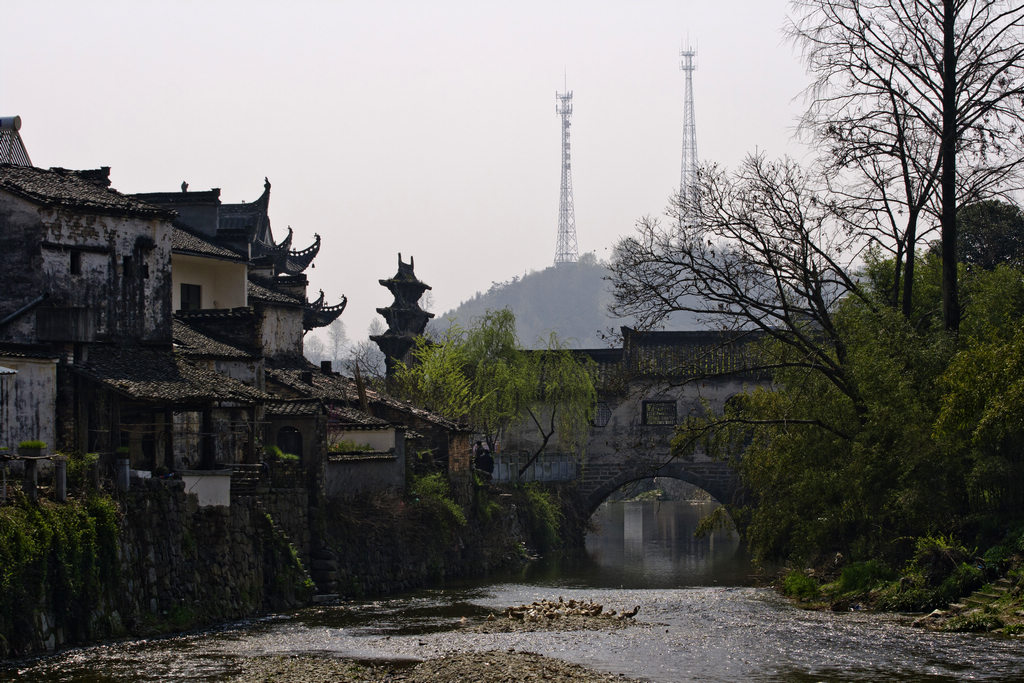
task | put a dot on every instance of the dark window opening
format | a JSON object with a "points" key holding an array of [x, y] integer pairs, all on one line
{"points": [[602, 413], [659, 412], [289, 440], [191, 297], [76, 263], [144, 271], [126, 265]]}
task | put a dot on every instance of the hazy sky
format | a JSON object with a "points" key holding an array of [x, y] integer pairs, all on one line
{"points": [[426, 128]]}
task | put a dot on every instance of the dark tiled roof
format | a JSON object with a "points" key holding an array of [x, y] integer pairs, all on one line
{"points": [[84, 190], [193, 343], [161, 375], [324, 387], [337, 388], [187, 242], [265, 293], [299, 408], [9, 350], [351, 418]]}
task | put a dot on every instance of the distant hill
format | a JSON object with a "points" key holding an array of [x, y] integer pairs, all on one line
{"points": [[571, 299]]}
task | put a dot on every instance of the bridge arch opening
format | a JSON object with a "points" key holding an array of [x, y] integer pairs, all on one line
{"points": [[643, 534]]}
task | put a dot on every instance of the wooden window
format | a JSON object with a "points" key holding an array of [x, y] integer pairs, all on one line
{"points": [[191, 297], [602, 413], [659, 412]]}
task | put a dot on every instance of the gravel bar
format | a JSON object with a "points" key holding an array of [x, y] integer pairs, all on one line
{"points": [[476, 667]]}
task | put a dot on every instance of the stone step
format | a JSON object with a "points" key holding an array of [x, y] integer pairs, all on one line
{"points": [[972, 601]]}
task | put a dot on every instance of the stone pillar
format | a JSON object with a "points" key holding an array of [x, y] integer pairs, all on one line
{"points": [[31, 480], [207, 442], [124, 474], [169, 439], [60, 478]]}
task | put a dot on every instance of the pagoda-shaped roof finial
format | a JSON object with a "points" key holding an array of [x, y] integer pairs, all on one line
{"points": [[406, 320]]}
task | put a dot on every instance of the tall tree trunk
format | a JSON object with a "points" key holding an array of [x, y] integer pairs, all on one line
{"points": [[950, 300], [908, 269]]}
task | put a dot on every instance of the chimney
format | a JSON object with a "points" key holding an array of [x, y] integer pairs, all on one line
{"points": [[325, 367], [307, 377]]}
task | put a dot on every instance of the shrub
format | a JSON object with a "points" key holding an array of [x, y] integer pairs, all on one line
{"points": [[937, 557], [432, 491], [799, 585], [863, 576], [32, 444], [973, 622], [79, 466], [543, 516]]}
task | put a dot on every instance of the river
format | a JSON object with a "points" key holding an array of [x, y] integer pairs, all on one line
{"points": [[699, 620]]}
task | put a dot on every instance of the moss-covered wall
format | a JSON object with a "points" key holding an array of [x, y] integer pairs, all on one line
{"points": [[148, 562]]}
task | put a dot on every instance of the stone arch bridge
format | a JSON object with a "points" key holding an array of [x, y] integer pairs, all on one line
{"points": [[645, 388]]}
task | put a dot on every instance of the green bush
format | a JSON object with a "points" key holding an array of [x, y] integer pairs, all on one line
{"points": [[796, 584], [543, 516], [863, 576], [973, 622], [432, 491], [937, 557], [32, 444], [79, 467]]}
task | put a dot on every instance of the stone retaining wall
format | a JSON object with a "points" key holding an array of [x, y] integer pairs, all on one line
{"points": [[182, 566]]}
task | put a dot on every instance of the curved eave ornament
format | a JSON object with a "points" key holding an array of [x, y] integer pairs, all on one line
{"points": [[297, 261], [277, 251], [316, 314]]}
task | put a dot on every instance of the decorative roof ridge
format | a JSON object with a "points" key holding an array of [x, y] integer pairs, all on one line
{"points": [[237, 312]]}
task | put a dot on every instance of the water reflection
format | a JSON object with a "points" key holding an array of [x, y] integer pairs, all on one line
{"points": [[652, 544]]}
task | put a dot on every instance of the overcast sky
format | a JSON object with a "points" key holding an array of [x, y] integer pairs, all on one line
{"points": [[426, 128]]}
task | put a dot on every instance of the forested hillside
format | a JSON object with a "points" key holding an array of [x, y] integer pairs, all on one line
{"points": [[571, 300]]}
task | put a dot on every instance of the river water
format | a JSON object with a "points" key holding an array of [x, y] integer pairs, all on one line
{"points": [[699, 620]]}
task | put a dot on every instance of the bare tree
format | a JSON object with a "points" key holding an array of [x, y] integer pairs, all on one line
{"points": [[313, 349], [766, 250], [902, 91], [367, 356], [337, 339]]}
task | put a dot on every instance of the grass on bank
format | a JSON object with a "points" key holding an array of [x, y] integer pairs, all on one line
{"points": [[940, 573]]}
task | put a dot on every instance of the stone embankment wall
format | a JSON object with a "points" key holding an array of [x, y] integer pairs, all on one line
{"points": [[180, 566], [385, 544]]}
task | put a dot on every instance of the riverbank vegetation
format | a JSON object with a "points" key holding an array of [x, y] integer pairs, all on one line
{"points": [[882, 439], [66, 552]]}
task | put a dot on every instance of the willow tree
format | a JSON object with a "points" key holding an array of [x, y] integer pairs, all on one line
{"points": [[481, 376], [920, 101]]}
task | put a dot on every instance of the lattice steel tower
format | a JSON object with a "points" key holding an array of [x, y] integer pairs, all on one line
{"points": [[566, 251], [688, 181]]}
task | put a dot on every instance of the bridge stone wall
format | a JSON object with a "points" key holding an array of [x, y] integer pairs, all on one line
{"points": [[654, 382]]}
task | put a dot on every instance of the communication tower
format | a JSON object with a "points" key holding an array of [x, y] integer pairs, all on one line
{"points": [[566, 251], [688, 181]]}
